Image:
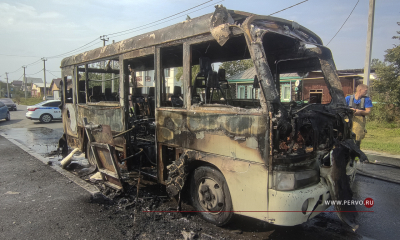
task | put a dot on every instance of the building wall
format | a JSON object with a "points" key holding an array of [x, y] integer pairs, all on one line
{"points": [[146, 79], [35, 91], [319, 84]]}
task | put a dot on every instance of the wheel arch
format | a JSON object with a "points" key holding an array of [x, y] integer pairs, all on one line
{"points": [[181, 171]]}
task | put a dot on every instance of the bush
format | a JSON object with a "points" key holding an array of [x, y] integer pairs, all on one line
{"points": [[384, 112]]}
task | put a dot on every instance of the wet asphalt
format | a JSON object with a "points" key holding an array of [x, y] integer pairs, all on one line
{"points": [[39, 203]]}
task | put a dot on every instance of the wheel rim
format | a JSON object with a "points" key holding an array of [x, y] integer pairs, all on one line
{"points": [[211, 195], [46, 118], [8, 116]]}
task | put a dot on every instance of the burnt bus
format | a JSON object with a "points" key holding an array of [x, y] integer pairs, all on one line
{"points": [[259, 157]]}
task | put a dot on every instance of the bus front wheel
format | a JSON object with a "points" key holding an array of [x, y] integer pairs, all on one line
{"points": [[210, 195]]}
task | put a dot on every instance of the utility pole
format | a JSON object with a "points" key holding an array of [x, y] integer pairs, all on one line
{"points": [[370, 33], [44, 74], [25, 82], [103, 83], [8, 92]]}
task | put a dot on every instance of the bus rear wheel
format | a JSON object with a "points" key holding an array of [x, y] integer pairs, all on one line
{"points": [[210, 195]]}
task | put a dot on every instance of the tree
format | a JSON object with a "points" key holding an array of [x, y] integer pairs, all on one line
{"points": [[234, 67], [386, 89], [195, 71]]}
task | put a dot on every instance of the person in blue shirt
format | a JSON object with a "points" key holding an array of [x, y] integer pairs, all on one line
{"points": [[361, 105]]}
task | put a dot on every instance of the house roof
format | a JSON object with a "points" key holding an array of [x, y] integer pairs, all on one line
{"points": [[33, 80], [16, 83], [248, 76], [42, 85], [56, 81]]}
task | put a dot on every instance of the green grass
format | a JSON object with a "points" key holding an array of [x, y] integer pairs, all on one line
{"points": [[382, 137], [28, 101]]}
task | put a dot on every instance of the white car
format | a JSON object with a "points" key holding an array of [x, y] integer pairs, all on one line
{"points": [[45, 111]]}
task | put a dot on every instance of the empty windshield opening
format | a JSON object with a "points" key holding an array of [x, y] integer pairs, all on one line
{"points": [[298, 79]]}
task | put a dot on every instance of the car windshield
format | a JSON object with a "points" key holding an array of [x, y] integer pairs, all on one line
{"points": [[6, 100]]}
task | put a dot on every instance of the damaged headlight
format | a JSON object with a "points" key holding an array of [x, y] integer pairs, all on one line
{"points": [[286, 181]]}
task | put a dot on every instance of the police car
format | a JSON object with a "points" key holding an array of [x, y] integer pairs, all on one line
{"points": [[45, 111]]}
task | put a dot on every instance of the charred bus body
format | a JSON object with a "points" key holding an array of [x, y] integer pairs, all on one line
{"points": [[252, 156]]}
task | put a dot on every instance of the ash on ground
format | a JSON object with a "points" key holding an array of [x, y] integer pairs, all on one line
{"points": [[148, 213]]}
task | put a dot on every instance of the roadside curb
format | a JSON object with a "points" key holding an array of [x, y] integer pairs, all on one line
{"points": [[94, 191], [381, 154], [367, 174]]}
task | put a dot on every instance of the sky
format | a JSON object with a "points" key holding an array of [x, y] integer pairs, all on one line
{"points": [[33, 29]]}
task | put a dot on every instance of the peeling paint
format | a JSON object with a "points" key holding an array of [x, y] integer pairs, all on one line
{"points": [[252, 142], [200, 135]]}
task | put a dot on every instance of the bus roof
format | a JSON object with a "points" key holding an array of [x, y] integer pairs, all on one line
{"points": [[189, 28]]}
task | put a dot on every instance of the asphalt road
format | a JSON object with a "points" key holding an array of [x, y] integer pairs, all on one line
{"points": [[39, 203], [18, 120]]}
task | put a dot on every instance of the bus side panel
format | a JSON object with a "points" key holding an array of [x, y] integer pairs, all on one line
{"points": [[102, 115], [247, 183], [234, 143], [230, 135]]}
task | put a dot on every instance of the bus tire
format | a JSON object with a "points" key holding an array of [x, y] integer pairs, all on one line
{"points": [[210, 195]]}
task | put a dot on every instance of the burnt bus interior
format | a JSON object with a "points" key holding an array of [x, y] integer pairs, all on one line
{"points": [[211, 87], [301, 137], [102, 84], [208, 88]]}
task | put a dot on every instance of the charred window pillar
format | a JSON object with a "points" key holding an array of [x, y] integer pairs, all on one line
{"points": [[157, 75]]}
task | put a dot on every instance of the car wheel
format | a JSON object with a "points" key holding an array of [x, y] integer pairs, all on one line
{"points": [[210, 195], [15, 109], [8, 118], [89, 155], [45, 118]]}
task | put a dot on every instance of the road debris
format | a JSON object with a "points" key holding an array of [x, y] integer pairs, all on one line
{"points": [[12, 193], [188, 235]]}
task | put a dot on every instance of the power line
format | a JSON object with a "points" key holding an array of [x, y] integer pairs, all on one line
{"points": [[138, 29], [30, 64], [35, 73], [85, 46], [74, 49], [14, 71], [60, 55], [288, 8], [71, 52], [160, 19], [141, 27], [343, 23], [52, 74]]}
